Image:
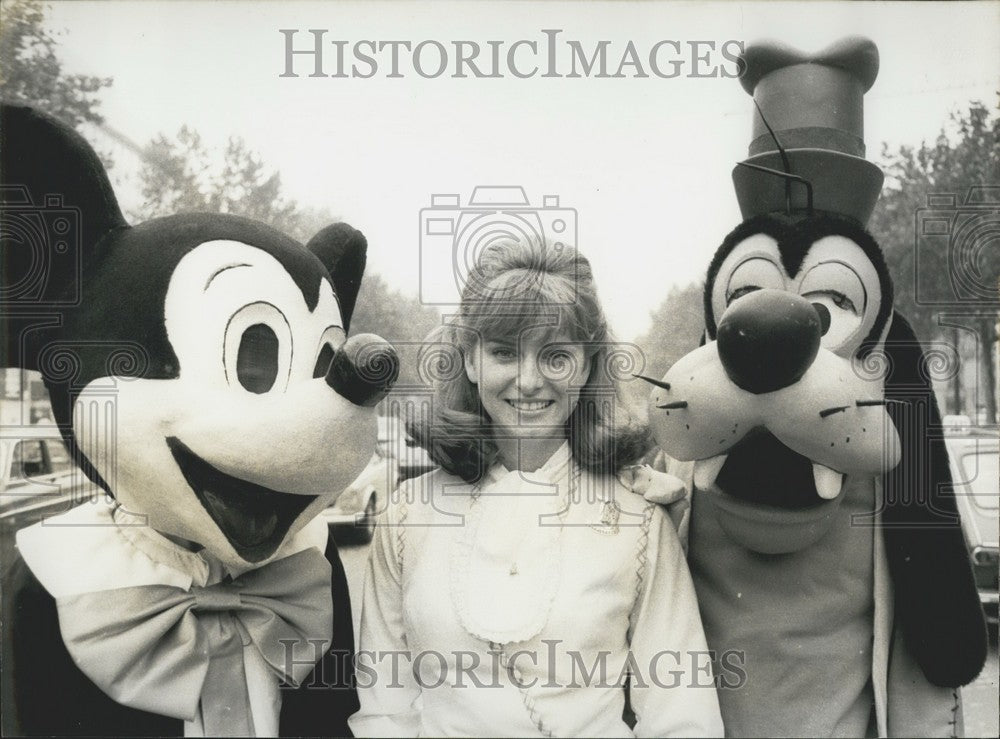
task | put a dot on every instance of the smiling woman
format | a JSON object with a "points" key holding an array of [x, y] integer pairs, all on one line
{"points": [[524, 564], [537, 355]]}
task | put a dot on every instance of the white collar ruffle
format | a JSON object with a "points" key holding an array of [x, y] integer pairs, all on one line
{"points": [[506, 563]]}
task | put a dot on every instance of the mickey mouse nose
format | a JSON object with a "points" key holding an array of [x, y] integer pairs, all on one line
{"points": [[768, 339], [364, 369]]}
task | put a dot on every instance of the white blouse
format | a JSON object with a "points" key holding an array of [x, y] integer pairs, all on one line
{"points": [[522, 605]]}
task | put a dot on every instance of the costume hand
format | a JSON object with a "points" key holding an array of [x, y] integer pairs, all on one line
{"points": [[657, 487], [653, 485]]}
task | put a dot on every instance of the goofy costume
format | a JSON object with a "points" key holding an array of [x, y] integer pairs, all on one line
{"points": [[824, 540]]}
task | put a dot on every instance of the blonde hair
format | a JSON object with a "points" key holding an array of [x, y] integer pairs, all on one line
{"points": [[515, 286]]}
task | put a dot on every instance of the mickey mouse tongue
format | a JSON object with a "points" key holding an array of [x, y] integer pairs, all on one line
{"points": [[254, 519]]}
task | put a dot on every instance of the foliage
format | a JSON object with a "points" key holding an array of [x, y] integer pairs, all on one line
{"points": [[179, 176], [31, 72], [966, 156], [963, 163], [676, 328], [400, 319]]}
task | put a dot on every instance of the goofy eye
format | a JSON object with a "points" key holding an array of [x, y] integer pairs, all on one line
{"points": [[837, 287], [740, 292], [258, 349], [844, 303], [843, 317], [753, 273], [833, 299]]}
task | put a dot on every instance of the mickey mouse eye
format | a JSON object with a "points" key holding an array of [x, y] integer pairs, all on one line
{"points": [[323, 361], [258, 349], [332, 338], [257, 359]]}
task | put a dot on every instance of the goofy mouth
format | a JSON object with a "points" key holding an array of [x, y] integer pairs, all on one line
{"points": [[761, 470], [254, 519]]}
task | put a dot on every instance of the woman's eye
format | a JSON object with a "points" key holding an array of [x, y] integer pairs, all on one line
{"points": [[740, 292], [502, 352], [557, 358]]}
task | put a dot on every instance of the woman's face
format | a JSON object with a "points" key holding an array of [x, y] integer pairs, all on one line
{"points": [[529, 385]]}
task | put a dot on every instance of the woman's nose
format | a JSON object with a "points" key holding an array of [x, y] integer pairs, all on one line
{"points": [[529, 375]]}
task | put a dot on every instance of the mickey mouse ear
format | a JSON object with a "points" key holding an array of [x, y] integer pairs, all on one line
{"points": [[343, 251], [56, 203]]}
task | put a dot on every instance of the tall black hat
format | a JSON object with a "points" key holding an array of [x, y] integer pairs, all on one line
{"points": [[814, 105]]}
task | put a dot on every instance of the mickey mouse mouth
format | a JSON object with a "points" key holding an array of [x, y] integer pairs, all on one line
{"points": [[254, 519]]}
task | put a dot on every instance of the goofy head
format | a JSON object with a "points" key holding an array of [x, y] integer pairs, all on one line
{"points": [[807, 376], [198, 365]]}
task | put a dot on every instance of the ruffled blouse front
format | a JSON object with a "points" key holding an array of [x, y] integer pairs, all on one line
{"points": [[505, 565], [487, 608]]}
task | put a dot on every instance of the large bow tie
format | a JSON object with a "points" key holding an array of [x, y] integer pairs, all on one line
{"points": [[171, 651]]}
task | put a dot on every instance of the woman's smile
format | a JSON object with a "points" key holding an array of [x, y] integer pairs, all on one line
{"points": [[529, 406]]}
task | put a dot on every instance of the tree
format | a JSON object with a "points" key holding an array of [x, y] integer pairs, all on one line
{"points": [[958, 272], [400, 319], [677, 327], [32, 74], [180, 176]]}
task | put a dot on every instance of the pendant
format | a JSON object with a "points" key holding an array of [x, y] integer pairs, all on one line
{"points": [[609, 518]]}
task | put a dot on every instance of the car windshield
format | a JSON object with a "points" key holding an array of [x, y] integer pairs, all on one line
{"points": [[981, 470]]}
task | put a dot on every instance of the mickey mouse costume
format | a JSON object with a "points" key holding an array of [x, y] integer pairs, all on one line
{"points": [[824, 540], [199, 372]]}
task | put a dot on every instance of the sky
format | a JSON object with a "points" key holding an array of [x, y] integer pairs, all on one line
{"points": [[640, 166]]}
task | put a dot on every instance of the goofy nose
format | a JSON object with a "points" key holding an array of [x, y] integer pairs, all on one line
{"points": [[364, 369], [768, 339]]}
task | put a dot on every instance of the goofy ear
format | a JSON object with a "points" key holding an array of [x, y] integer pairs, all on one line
{"points": [[937, 603], [56, 204], [343, 251]]}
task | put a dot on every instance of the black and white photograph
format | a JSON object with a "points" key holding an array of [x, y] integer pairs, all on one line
{"points": [[499, 368]]}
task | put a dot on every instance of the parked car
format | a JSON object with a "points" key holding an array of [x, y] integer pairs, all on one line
{"points": [[352, 515], [39, 478], [410, 458], [396, 459], [974, 466]]}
